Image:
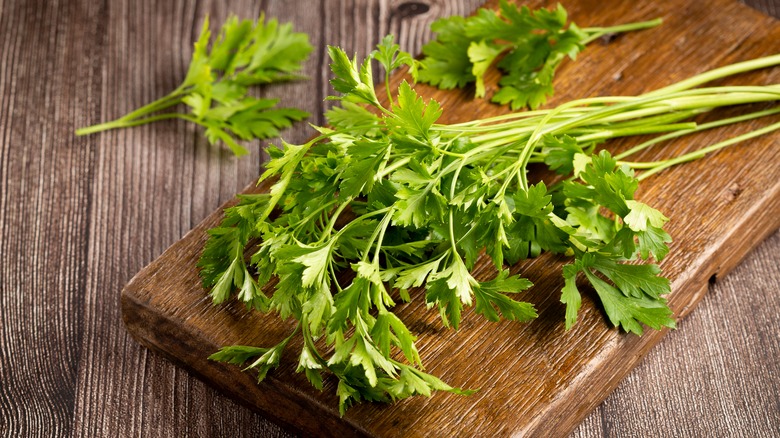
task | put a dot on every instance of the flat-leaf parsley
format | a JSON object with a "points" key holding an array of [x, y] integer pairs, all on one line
{"points": [[527, 46], [385, 199], [244, 54]]}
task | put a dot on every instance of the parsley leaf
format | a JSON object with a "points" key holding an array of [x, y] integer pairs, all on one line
{"points": [[446, 63], [412, 115], [355, 83], [492, 293]]}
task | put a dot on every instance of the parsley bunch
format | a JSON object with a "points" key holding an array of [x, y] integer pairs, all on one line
{"points": [[385, 200], [530, 45], [245, 53]]}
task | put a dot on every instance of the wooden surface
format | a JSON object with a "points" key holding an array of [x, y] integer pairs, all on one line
{"points": [[536, 379], [80, 216]]}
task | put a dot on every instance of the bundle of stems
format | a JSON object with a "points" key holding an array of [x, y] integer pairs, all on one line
{"points": [[517, 137]]}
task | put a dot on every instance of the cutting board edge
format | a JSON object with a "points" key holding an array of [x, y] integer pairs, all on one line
{"points": [[138, 317], [762, 222]]}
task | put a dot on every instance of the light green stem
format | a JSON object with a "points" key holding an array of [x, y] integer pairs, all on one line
{"points": [[718, 73], [655, 167], [120, 123], [137, 117], [681, 100], [639, 130], [699, 128], [598, 32]]}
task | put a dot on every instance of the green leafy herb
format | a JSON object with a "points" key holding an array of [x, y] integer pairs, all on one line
{"points": [[244, 54], [527, 46], [386, 200]]}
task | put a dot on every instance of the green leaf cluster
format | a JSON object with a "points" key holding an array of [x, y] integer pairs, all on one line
{"points": [[632, 294], [526, 45], [245, 53]]}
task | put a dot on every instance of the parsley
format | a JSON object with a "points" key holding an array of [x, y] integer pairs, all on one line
{"points": [[244, 54], [528, 46], [387, 200]]}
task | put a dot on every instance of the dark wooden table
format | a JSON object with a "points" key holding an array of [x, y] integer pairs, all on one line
{"points": [[80, 216]]}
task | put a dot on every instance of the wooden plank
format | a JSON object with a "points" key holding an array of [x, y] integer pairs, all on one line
{"points": [[79, 216], [534, 377], [44, 188]]}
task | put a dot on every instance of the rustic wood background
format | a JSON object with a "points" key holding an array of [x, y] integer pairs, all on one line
{"points": [[80, 216]]}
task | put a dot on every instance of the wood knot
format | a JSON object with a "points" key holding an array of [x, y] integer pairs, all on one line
{"points": [[410, 9], [735, 190], [732, 192]]}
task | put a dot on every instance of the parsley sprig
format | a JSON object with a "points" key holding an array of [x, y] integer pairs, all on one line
{"points": [[386, 200], [527, 45], [216, 86]]}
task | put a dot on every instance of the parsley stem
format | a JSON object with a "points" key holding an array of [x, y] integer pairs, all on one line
{"points": [[120, 123], [698, 128], [660, 119], [655, 167], [370, 242], [334, 277], [642, 115], [393, 167], [683, 99], [718, 73], [319, 210], [453, 242], [134, 118], [326, 232], [502, 131], [639, 130], [384, 224], [356, 220], [679, 100], [309, 341], [160, 104], [503, 117], [598, 32], [698, 101]]}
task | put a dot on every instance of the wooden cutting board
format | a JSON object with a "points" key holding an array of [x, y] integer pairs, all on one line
{"points": [[534, 378]]}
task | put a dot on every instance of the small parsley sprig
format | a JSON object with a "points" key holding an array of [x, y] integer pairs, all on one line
{"points": [[216, 86], [529, 46], [385, 201]]}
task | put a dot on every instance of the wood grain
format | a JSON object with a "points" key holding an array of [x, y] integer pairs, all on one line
{"points": [[80, 216], [536, 379]]}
